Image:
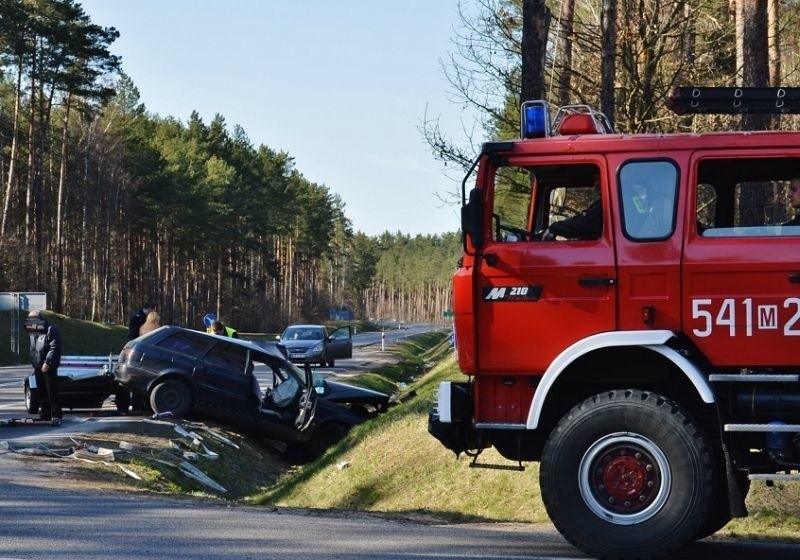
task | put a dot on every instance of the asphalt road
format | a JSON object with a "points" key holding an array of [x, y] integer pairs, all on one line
{"points": [[38, 523]]}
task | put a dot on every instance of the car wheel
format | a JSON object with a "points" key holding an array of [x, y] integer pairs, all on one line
{"points": [[627, 474], [171, 396], [31, 400], [325, 436]]}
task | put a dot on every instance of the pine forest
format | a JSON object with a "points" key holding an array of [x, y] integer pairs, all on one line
{"points": [[104, 204]]}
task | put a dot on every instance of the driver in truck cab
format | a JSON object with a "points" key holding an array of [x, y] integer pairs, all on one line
{"points": [[585, 225]]}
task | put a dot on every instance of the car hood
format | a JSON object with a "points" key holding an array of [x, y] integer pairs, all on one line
{"points": [[341, 392], [290, 344]]}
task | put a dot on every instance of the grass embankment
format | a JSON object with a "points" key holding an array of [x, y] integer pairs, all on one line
{"points": [[80, 338], [391, 464], [394, 465]]}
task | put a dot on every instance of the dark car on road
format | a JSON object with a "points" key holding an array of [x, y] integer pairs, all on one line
{"points": [[83, 382], [316, 345], [184, 372]]}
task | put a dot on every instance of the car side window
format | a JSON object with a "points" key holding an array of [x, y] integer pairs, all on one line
{"points": [[341, 334], [227, 358], [184, 343]]}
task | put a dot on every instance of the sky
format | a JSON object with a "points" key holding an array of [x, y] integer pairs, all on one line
{"points": [[341, 86]]}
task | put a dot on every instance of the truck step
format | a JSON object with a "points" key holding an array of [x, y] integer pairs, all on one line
{"points": [[754, 377], [791, 428], [475, 465], [775, 477]]}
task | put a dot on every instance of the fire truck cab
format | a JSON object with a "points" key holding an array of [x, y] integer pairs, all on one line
{"points": [[627, 311]]}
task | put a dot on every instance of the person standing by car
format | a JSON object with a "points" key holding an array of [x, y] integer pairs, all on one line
{"points": [[139, 319], [152, 323], [45, 359], [123, 398], [218, 328]]}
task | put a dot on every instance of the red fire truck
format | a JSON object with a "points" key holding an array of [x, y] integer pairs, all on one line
{"points": [[627, 311]]}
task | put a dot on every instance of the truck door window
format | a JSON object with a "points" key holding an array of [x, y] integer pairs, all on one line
{"points": [[512, 203], [648, 190], [564, 193], [751, 197]]}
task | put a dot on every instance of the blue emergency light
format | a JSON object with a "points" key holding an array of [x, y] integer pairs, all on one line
{"points": [[535, 119]]}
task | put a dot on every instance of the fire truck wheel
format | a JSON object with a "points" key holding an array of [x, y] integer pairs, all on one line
{"points": [[626, 474]]}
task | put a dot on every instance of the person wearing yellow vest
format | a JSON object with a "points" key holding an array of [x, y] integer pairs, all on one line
{"points": [[219, 329]]}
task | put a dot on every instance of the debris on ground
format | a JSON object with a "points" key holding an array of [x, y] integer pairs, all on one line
{"points": [[156, 454]]}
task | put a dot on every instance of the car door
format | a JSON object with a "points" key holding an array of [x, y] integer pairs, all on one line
{"points": [[340, 343], [289, 402], [224, 384]]}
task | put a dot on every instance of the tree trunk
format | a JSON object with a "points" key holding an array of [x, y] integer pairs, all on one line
{"points": [[753, 46], [608, 71], [62, 178], [13, 156], [773, 42], [565, 49], [535, 24]]}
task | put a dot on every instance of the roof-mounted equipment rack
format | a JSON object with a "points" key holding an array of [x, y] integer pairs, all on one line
{"points": [[734, 100]]}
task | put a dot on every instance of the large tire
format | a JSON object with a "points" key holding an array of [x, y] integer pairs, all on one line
{"points": [[171, 396], [324, 437], [31, 400], [626, 474]]}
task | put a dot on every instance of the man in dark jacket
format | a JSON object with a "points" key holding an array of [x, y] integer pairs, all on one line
{"points": [[139, 318], [585, 225], [45, 359]]}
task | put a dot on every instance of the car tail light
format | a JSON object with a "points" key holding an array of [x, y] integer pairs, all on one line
{"points": [[130, 355]]}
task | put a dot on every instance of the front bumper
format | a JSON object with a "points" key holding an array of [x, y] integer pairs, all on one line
{"points": [[450, 420]]}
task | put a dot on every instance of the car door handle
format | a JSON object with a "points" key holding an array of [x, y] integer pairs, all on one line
{"points": [[594, 281], [794, 278]]}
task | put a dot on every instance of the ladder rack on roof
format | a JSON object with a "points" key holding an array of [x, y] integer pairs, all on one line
{"points": [[733, 100]]}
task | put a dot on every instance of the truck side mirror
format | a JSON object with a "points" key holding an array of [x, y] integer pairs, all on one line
{"points": [[472, 218]]}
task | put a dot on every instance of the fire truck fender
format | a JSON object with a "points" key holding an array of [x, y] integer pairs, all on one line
{"points": [[653, 340]]}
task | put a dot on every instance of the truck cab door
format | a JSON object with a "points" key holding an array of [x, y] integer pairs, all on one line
{"points": [[534, 297]]}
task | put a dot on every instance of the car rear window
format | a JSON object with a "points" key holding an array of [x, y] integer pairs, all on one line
{"points": [[184, 343]]}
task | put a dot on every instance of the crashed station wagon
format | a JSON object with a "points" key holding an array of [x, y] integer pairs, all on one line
{"points": [[183, 372]]}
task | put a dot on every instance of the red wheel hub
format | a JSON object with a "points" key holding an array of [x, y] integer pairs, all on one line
{"points": [[624, 478]]}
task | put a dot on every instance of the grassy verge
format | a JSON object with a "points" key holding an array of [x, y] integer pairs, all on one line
{"points": [[392, 465]]}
